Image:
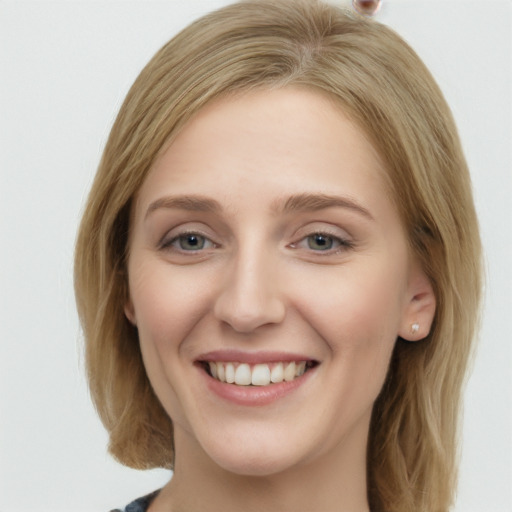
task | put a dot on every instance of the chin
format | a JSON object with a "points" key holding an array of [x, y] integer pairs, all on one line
{"points": [[254, 467], [248, 459]]}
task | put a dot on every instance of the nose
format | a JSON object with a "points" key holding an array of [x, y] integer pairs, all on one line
{"points": [[250, 296]]}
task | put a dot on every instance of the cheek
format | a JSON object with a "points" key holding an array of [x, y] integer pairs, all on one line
{"points": [[167, 306], [167, 303], [361, 307], [358, 315]]}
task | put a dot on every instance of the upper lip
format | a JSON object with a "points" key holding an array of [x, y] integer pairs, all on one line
{"points": [[240, 356]]}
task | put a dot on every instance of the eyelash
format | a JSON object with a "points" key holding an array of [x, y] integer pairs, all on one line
{"points": [[168, 245], [341, 244]]}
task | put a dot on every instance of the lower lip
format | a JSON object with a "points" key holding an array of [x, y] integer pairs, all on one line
{"points": [[255, 395]]}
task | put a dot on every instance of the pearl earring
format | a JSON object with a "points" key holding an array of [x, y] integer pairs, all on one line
{"points": [[415, 327]]}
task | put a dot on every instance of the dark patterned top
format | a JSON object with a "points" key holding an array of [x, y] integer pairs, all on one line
{"points": [[139, 505]]}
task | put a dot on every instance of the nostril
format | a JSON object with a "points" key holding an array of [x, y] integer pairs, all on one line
{"points": [[250, 297], [246, 322]]}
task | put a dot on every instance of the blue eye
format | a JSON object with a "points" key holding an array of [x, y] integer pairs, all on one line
{"points": [[320, 242], [189, 242], [323, 243]]}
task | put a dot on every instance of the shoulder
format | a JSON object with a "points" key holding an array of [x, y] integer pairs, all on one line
{"points": [[139, 505]]}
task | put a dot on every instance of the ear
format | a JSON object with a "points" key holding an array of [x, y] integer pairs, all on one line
{"points": [[129, 312], [420, 306]]}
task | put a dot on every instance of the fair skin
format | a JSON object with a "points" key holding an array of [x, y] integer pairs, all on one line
{"points": [[263, 236]]}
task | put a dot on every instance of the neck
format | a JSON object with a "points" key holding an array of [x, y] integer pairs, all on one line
{"points": [[334, 481]]}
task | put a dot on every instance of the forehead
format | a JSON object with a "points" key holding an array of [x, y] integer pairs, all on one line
{"points": [[284, 113], [291, 140]]}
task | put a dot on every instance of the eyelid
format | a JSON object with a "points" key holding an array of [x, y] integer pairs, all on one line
{"points": [[345, 241], [209, 244], [323, 228], [174, 234], [342, 242]]}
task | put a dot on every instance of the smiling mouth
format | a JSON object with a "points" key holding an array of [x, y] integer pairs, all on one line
{"points": [[262, 374]]}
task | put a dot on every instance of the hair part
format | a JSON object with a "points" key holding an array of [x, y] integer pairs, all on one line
{"points": [[382, 85]]}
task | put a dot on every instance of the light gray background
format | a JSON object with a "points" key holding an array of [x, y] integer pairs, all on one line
{"points": [[65, 66]]}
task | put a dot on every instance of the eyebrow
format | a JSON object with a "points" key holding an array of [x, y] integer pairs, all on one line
{"points": [[295, 203], [188, 203], [314, 202]]}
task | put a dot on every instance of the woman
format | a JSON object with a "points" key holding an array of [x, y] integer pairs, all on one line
{"points": [[278, 268]]}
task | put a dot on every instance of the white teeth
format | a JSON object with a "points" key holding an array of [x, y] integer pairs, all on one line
{"points": [[301, 368], [221, 374], [289, 372], [243, 374], [230, 373], [213, 369], [260, 375], [277, 374]]}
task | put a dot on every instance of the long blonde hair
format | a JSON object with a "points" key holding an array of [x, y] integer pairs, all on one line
{"points": [[383, 86]]}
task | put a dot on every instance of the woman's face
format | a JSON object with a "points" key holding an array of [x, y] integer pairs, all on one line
{"points": [[264, 247]]}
